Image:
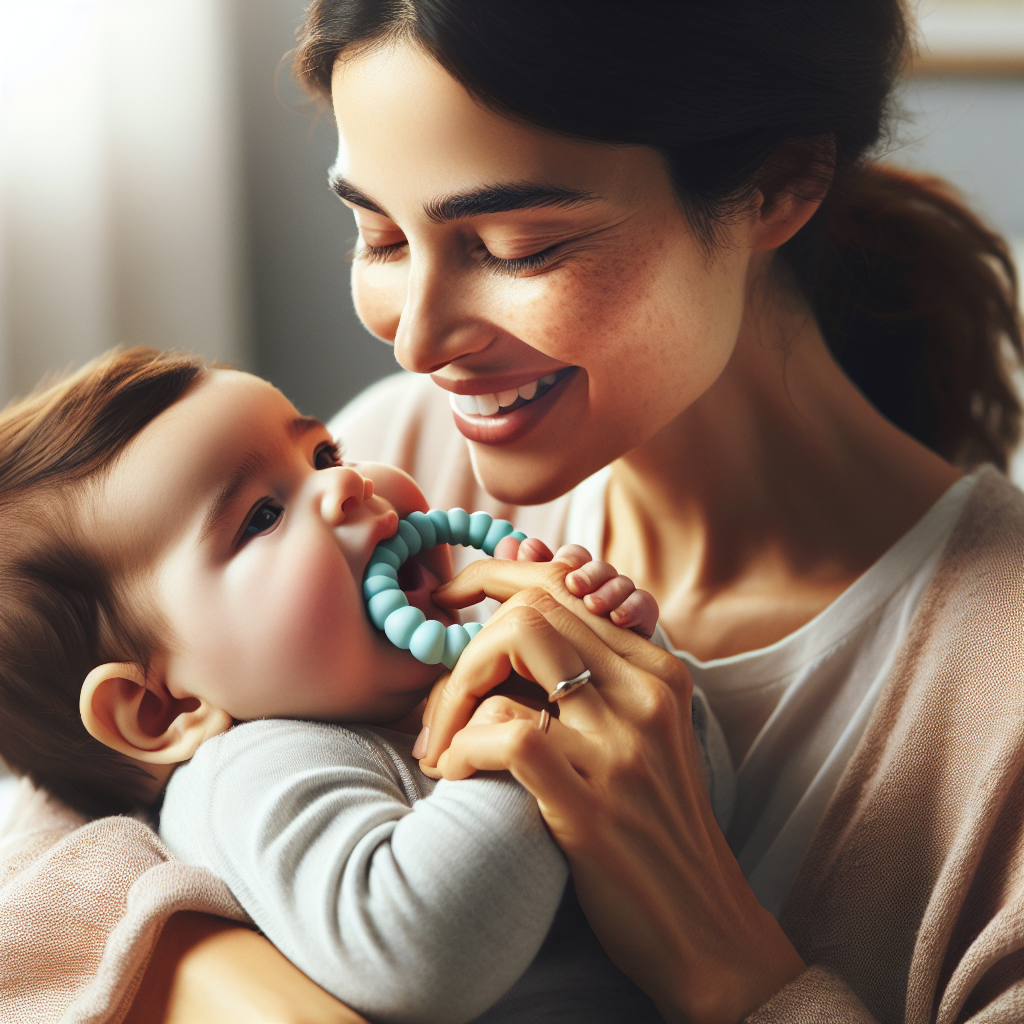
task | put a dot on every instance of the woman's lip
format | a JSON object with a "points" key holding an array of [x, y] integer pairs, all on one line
{"points": [[508, 427]]}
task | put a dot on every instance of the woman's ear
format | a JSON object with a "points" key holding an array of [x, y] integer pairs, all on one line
{"points": [[131, 711], [780, 218], [794, 182]]}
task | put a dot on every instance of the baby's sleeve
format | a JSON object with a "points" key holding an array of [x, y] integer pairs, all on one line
{"points": [[406, 909]]}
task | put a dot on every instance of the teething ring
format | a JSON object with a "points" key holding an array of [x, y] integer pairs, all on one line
{"points": [[406, 627]]}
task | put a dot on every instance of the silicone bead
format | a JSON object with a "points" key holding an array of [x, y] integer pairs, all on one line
{"points": [[397, 547], [499, 528], [375, 584], [439, 518], [413, 541], [427, 644], [479, 524], [388, 607], [424, 527], [455, 640], [458, 526], [401, 624], [381, 605], [382, 554]]}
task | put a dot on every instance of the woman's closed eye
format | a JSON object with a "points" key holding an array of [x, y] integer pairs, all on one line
{"points": [[512, 267]]}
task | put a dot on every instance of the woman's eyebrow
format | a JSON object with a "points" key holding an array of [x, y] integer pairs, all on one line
{"points": [[347, 191], [503, 197]]}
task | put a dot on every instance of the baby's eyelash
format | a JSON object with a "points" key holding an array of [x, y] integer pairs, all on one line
{"points": [[333, 450]]}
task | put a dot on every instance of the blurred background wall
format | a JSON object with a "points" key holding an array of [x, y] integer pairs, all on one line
{"points": [[163, 181], [120, 198]]}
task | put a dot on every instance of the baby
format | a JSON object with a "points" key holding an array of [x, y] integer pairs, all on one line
{"points": [[184, 542]]}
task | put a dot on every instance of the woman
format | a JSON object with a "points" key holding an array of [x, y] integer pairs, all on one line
{"points": [[650, 235]]}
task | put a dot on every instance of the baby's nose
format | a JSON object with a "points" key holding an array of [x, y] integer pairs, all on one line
{"points": [[344, 491]]}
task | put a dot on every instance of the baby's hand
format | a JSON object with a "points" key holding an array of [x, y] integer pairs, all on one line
{"points": [[602, 589]]}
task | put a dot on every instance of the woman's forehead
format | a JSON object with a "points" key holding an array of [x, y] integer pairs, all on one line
{"points": [[405, 125]]}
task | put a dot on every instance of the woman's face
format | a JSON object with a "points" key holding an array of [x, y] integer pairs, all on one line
{"points": [[494, 255]]}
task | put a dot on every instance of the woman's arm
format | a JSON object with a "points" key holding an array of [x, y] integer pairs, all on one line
{"points": [[206, 970], [617, 780]]}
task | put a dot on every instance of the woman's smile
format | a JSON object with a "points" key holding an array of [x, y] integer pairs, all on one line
{"points": [[501, 417]]}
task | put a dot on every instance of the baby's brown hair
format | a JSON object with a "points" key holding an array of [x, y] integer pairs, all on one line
{"points": [[63, 609]]}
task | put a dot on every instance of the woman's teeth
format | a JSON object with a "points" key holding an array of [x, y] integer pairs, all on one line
{"points": [[488, 405]]}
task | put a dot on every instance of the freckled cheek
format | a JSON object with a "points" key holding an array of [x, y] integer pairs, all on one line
{"points": [[378, 294], [649, 304], [589, 312]]}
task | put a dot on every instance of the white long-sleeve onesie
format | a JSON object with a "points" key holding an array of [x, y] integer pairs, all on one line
{"points": [[407, 899]]}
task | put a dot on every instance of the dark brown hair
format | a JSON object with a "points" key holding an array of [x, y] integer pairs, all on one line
{"points": [[914, 296], [63, 610]]}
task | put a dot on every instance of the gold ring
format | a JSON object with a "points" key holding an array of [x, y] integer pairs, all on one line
{"points": [[545, 720]]}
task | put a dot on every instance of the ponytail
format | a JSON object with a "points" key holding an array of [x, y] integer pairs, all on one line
{"points": [[917, 300]]}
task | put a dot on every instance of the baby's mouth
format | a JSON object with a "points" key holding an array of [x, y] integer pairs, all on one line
{"points": [[418, 583], [410, 576]]}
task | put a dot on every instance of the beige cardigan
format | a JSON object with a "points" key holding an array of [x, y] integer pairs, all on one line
{"points": [[909, 903]]}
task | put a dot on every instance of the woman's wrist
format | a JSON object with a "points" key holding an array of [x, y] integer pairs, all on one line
{"points": [[738, 987], [723, 973]]}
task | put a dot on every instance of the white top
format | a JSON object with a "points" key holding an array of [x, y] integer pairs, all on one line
{"points": [[814, 690]]}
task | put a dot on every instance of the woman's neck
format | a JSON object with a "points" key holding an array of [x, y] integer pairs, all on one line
{"points": [[758, 505]]}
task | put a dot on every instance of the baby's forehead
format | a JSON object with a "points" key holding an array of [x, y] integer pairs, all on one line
{"points": [[156, 486]]}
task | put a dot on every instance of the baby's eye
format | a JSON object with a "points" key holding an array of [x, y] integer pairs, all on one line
{"points": [[327, 455], [262, 520]]}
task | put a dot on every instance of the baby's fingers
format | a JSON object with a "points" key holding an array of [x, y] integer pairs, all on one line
{"points": [[639, 612], [529, 550], [590, 577]]}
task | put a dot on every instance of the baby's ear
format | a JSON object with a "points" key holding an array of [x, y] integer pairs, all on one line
{"points": [[131, 711]]}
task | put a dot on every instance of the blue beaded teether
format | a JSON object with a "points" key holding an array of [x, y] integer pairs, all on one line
{"points": [[407, 627]]}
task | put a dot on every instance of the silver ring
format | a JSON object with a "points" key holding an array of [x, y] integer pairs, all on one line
{"points": [[567, 686]]}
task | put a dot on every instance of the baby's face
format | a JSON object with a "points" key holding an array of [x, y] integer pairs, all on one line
{"points": [[261, 538]]}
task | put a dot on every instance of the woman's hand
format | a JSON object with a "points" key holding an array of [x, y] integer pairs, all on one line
{"points": [[617, 780]]}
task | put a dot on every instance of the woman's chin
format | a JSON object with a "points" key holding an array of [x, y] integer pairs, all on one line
{"points": [[531, 478]]}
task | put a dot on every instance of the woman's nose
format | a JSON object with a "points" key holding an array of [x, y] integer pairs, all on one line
{"points": [[343, 491], [440, 319]]}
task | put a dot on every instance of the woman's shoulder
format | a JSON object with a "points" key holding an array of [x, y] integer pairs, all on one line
{"points": [[984, 558]]}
